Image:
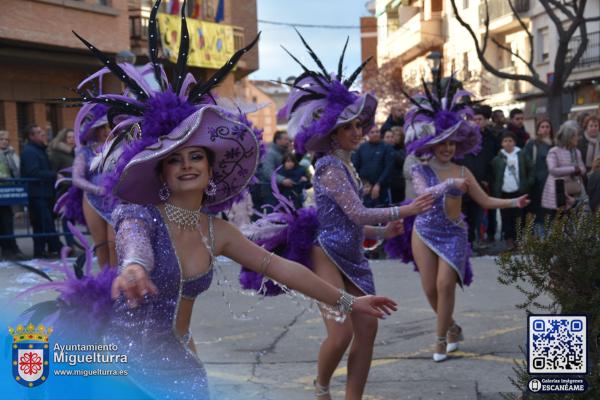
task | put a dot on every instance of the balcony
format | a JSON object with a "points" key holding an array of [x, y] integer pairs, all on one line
{"points": [[591, 56], [501, 16], [414, 35]]}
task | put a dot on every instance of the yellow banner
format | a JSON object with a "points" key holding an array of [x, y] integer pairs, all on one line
{"points": [[211, 45]]}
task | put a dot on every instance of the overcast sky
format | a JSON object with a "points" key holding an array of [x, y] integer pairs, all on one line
{"points": [[327, 43]]}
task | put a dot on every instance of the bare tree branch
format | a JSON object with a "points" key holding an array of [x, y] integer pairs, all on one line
{"points": [[580, 23], [481, 54], [593, 19], [512, 53], [557, 22], [529, 36], [563, 8]]}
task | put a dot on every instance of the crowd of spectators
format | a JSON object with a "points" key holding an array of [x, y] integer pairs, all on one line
{"points": [[558, 168]]}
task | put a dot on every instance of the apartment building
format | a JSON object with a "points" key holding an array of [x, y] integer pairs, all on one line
{"points": [[410, 31]]}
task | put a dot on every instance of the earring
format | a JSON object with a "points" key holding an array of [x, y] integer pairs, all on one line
{"points": [[164, 193], [211, 189]]}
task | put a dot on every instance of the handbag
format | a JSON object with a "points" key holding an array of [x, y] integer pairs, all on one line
{"points": [[573, 186]]}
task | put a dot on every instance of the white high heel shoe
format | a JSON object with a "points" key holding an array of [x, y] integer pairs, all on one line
{"points": [[439, 357], [320, 391], [454, 330]]}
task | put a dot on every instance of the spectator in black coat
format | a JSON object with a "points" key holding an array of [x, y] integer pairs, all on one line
{"points": [[296, 173], [594, 185], [516, 126], [396, 118], [480, 166], [395, 138], [36, 164], [374, 161]]}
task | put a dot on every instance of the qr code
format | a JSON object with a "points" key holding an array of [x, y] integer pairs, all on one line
{"points": [[557, 344]]}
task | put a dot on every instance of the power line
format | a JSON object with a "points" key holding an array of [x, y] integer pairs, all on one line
{"points": [[326, 26]]}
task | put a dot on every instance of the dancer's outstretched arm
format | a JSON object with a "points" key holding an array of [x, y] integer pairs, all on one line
{"points": [[337, 186], [235, 246], [485, 201], [388, 231], [79, 180]]}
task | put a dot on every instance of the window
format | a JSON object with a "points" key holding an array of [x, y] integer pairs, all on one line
{"points": [[543, 45], [24, 117], [465, 4]]}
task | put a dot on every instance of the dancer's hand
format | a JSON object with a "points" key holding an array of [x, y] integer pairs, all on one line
{"points": [[393, 229], [420, 204], [134, 283], [375, 191], [522, 201], [377, 306], [461, 184]]}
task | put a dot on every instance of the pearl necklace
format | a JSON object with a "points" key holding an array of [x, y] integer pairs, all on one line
{"points": [[183, 218], [347, 160]]}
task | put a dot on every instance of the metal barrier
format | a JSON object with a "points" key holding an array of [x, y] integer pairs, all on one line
{"points": [[13, 192]]}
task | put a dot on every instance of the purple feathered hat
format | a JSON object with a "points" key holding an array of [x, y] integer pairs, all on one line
{"points": [[320, 102], [155, 117], [440, 115], [89, 117]]}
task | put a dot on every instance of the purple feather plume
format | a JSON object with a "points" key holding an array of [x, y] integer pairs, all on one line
{"points": [[71, 205], [294, 242], [84, 303]]}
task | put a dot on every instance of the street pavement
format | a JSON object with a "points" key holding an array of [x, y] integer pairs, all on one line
{"points": [[271, 353]]}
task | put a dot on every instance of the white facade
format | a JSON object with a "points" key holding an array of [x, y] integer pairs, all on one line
{"points": [[410, 30]]}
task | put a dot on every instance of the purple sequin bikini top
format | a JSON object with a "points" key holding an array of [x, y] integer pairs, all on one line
{"points": [[195, 285]]}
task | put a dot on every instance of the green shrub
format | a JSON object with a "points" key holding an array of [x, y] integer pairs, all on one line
{"points": [[559, 273]]}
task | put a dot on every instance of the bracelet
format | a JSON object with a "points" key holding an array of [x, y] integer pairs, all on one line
{"points": [[513, 203], [345, 302], [133, 260], [395, 213], [264, 265]]}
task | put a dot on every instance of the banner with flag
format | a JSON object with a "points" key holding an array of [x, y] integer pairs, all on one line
{"points": [[211, 44]]}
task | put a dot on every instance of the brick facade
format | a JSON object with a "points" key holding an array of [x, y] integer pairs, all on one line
{"points": [[41, 59]]}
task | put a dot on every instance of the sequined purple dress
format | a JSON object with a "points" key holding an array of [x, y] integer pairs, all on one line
{"points": [[446, 237], [90, 183], [160, 360], [342, 218]]}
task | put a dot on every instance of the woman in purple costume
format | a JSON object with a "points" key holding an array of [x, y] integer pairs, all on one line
{"points": [[438, 126], [174, 157], [327, 118], [91, 131]]}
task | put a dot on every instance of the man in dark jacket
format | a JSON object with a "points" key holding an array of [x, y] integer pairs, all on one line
{"points": [[261, 192], [35, 164], [516, 126], [396, 118], [374, 161], [480, 166]]}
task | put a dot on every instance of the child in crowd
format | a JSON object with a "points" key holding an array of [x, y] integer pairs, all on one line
{"points": [[512, 177], [292, 170]]}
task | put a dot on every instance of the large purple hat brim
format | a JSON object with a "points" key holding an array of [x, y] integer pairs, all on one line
{"points": [[233, 143], [465, 134], [363, 109]]}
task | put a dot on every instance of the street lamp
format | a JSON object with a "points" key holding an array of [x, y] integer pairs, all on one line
{"points": [[434, 59], [125, 56]]}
